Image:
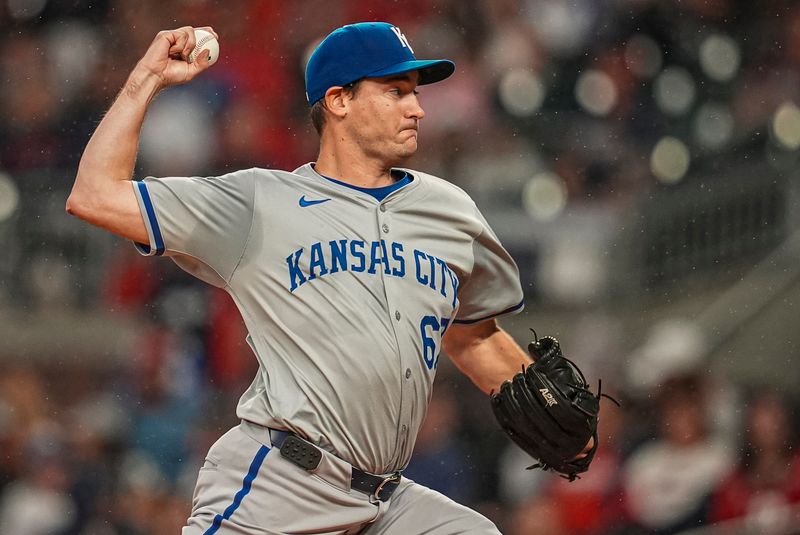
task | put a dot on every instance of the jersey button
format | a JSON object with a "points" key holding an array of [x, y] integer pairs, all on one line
{"points": [[383, 208], [408, 373], [404, 429], [385, 228], [397, 315]]}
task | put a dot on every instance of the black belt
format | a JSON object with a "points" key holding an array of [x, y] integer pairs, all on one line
{"points": [[306, 455]]}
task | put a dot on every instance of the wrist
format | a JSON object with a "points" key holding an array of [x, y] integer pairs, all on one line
{"points": [[142, 84]]}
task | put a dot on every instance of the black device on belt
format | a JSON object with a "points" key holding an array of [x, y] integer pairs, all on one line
{"points": [[308, 456]]}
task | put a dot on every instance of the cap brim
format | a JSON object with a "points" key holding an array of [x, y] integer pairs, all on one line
{"points": [[430, 71]]}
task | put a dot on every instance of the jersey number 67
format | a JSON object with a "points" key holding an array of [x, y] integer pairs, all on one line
{"points": [[430, 351]]}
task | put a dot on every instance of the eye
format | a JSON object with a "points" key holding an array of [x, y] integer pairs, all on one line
{"points": [[401, 91]]}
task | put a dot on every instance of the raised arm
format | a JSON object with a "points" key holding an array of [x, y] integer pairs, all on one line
{"points": [[103, 194], [485, 353]]}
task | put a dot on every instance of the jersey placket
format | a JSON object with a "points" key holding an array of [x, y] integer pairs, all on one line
{"points": [[384, 222]]}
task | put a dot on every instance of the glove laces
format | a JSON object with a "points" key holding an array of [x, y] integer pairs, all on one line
{"points": [[584, 386]]}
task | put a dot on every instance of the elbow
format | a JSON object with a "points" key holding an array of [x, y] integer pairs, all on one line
{"points": [[74, 205], [79, 204], [71, 207]]}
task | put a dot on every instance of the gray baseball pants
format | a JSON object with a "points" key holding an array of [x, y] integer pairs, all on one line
{"points": [[246, 487]]}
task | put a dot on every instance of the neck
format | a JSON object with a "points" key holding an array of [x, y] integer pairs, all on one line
{"points": [[347, 163]]}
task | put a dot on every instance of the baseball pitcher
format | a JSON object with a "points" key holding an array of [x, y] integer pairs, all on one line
{"points": [[352, 275]]}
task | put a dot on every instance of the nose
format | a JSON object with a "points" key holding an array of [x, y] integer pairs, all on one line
{"points": [[415, 110]]}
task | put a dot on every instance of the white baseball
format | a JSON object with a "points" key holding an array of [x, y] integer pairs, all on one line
{"points": [[205, 40]]}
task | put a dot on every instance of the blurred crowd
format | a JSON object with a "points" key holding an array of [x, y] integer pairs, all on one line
{"points": [[555, 103]]}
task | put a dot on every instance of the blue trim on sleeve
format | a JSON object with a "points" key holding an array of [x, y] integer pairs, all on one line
{"points": [[516, 307], [247, 484], [151, 217]]}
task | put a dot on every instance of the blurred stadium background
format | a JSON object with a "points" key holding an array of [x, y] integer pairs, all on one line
{"points": [[639, 158]]}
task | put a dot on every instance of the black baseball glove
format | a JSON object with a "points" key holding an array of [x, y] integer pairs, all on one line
{"points": [[549, 411]]}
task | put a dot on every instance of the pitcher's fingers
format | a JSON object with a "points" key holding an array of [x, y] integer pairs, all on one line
{"points": [[171, 37], [178, 39], [189, 44]]}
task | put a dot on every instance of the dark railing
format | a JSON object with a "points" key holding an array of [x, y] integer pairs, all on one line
{"points": [[704, 225]]}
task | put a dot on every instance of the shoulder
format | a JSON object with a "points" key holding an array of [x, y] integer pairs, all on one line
{"points": [[442, 190], [274, 175], [275, 182], [450, 202], [302, 175]]}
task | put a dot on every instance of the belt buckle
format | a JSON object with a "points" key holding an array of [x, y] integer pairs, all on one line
{"points": [[394, 478]]}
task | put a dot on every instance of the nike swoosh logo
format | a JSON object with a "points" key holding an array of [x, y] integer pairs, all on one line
{"points": [[305, 202]]}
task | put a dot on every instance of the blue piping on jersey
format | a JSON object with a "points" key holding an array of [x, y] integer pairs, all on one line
{"points": [[379, 193], [506, 311], [247, 484], [151, 217]]}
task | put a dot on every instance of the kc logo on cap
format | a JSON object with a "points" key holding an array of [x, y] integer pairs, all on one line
{"points": [[402, 38], [367, 50]]}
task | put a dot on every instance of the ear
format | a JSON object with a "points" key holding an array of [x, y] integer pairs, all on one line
{"points": [[336, 100]]}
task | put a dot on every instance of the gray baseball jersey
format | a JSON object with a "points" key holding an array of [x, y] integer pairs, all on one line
{"points": [[345, 297]]}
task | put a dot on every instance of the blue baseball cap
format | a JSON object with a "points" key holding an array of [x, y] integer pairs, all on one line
{"points": [[367, 50]]}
